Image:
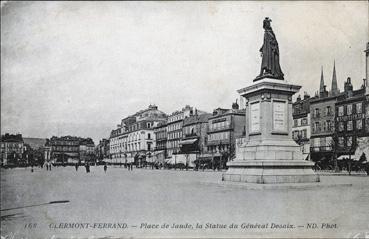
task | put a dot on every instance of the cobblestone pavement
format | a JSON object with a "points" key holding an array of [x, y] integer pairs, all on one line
{"points": [[103, 204]]}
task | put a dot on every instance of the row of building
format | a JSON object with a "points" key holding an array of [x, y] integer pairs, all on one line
{"points": [[185, 136], [18, 150], [333, 123]]}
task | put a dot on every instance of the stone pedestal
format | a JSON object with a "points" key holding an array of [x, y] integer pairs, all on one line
{"points": [[268, 154]]}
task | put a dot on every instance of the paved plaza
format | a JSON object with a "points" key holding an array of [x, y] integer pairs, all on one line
{"points": [[139, 203]]}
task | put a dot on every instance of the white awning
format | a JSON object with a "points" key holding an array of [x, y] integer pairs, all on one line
{"points": [[158, 152], [346, 156], [188, 141]]}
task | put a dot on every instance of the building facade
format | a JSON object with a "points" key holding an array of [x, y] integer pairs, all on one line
{"points": [[87, 150], [134, 138], [12, 148], [194, 134], [301, 124], [64, 149], [174, 129], [160, 132], [71, 149], [352, 118], [225, 125], [103, 149], [322, 118]]}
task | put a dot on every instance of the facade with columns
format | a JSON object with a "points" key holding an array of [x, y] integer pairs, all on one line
{"points": [[134, 138]]}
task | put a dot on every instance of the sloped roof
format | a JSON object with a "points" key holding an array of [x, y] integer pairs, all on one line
{"points": [[203, 118], [35, 143]]}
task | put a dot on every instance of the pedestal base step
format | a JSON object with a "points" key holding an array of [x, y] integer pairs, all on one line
{"points": [[270, 171], [271, 179]]}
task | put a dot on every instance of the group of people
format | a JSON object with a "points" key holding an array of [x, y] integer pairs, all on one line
{"points": [[87, 166], [48, 166], [130, 166]]}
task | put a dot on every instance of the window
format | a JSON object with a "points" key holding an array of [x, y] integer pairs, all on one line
{"points": [[295, 122], [316, 112], [349, 109], [359, 124], [304, 121], [349, 125], [340, 111], [148, 136], [341, 141], [341, 126], [349, 141], [329, 125], [317, 127], [328, 110], [358, 108], [304, 134]]}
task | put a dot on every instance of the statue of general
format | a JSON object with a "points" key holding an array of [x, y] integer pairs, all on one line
{"points": [[270, 54]]}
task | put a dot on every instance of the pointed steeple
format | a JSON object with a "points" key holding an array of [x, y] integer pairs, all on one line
{"points": [[321, 88], [334, 88]]}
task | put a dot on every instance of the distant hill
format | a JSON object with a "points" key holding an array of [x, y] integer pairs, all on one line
{"points": [[35, 143]]}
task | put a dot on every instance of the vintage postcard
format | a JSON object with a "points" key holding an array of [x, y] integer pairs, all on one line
{"points": [[184, 119]]}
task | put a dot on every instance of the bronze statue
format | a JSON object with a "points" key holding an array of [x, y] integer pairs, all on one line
{"points": [[270, 54]]}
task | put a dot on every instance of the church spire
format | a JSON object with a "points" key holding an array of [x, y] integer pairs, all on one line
{"points": [[334, 88], [321, 88]]}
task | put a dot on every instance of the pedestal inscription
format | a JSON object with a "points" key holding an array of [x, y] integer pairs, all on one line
{"points": [[255, 117], [279, 116]]}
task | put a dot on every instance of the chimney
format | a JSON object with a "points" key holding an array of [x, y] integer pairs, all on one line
{"points": [[306, 96]]}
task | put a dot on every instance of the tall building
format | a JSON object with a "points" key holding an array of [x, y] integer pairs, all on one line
{"points": [[103, 149], [194, 134], [301, 123], [194, 139], [12, 147], [352, 122], [322, 116], [35, 143], [160, 153], [174, 129], [64, 149], [87, 150], [225, 125], [134, 138]]}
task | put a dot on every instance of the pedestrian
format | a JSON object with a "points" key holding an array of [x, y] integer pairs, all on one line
{"points": [[105, 167], [87, 166], [76, 166]]}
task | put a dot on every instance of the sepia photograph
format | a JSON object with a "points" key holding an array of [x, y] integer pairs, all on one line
{"points": [[184, 119]]}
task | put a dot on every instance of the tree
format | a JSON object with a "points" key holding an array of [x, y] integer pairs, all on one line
{"points": [[335, 145]]}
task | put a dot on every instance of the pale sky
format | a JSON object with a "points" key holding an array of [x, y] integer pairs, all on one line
{"points": [[78, 68]]}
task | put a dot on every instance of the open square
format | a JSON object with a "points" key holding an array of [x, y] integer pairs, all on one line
{"points": [[145, 197]]}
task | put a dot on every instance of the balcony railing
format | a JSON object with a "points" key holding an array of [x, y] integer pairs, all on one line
{"points": [[217, 142], [319, 130], [321, 149], [213, 129]]}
